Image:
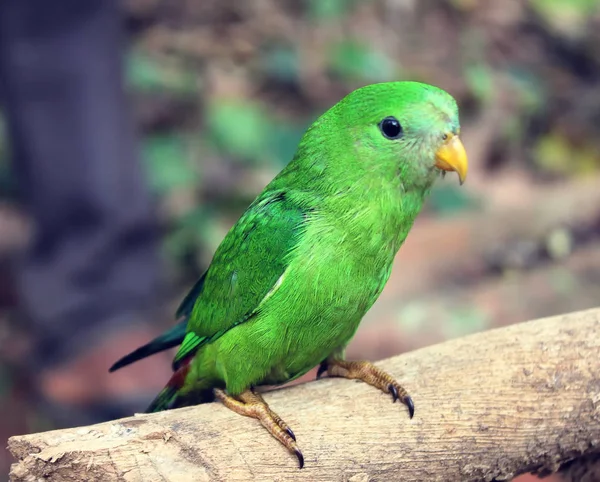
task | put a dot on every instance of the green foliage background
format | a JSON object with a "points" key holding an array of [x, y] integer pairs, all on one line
{"points": [[223, 90]]}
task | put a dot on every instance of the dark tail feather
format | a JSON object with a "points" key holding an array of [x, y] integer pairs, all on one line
{"points": [[169, 339]]}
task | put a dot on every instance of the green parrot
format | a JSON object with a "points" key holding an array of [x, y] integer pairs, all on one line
{"points": [[291, 281]]}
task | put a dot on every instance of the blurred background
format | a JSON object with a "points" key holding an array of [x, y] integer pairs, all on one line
{"points": [[222, 91]]}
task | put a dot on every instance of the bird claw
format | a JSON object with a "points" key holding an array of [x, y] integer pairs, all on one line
{"points": [[406, 400], [411, 406], [300, 457], [322, 369], [251, 404], [290, 433]]}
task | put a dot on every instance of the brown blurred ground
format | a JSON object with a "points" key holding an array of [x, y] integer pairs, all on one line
{"points": [[223, 90]]}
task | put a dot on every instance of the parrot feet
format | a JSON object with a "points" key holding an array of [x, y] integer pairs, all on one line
{"points": [[368, 373], [251, 404]]}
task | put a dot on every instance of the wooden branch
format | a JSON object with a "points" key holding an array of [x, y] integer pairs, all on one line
{"points": [[489, 406]]}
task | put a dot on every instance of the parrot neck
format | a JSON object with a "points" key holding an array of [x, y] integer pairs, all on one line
{"points": [[376, 219], [373, 206]]}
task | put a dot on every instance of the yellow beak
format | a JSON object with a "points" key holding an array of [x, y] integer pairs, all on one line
{"points": [[451, 156]]}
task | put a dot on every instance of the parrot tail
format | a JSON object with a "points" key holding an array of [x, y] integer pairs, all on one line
{"points": [[168, 339], [164, 400], [173, 395], [168, 396]]}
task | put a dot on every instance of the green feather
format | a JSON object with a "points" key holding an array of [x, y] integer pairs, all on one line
{"points": [[293, 278], [164, 400], [190, 344]]}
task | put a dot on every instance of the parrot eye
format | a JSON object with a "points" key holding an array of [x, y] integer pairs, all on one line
{"points": [[391, 128]]}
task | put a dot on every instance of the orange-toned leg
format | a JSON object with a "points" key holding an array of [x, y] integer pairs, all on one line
{"points": [[369, 373], [251, 404]]}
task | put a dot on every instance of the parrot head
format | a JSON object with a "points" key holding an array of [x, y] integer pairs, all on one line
{"points": [[407, 130]]}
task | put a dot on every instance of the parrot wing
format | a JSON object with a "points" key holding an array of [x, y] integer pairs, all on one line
{"points": [[244, 271]]}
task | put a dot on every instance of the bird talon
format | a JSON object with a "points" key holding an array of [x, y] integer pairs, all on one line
{"points": [[300, 458], [322, 369], [411, 406], [394, 391], [290, 433]]}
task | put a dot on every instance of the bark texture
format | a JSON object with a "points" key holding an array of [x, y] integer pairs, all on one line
{"points": [[489, 406]]}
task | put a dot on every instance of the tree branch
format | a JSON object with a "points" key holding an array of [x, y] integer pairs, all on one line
{"points": [[489, 406]]}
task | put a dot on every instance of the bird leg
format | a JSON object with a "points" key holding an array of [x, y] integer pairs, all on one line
{"points": [[369, 373], [251, 404]]}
